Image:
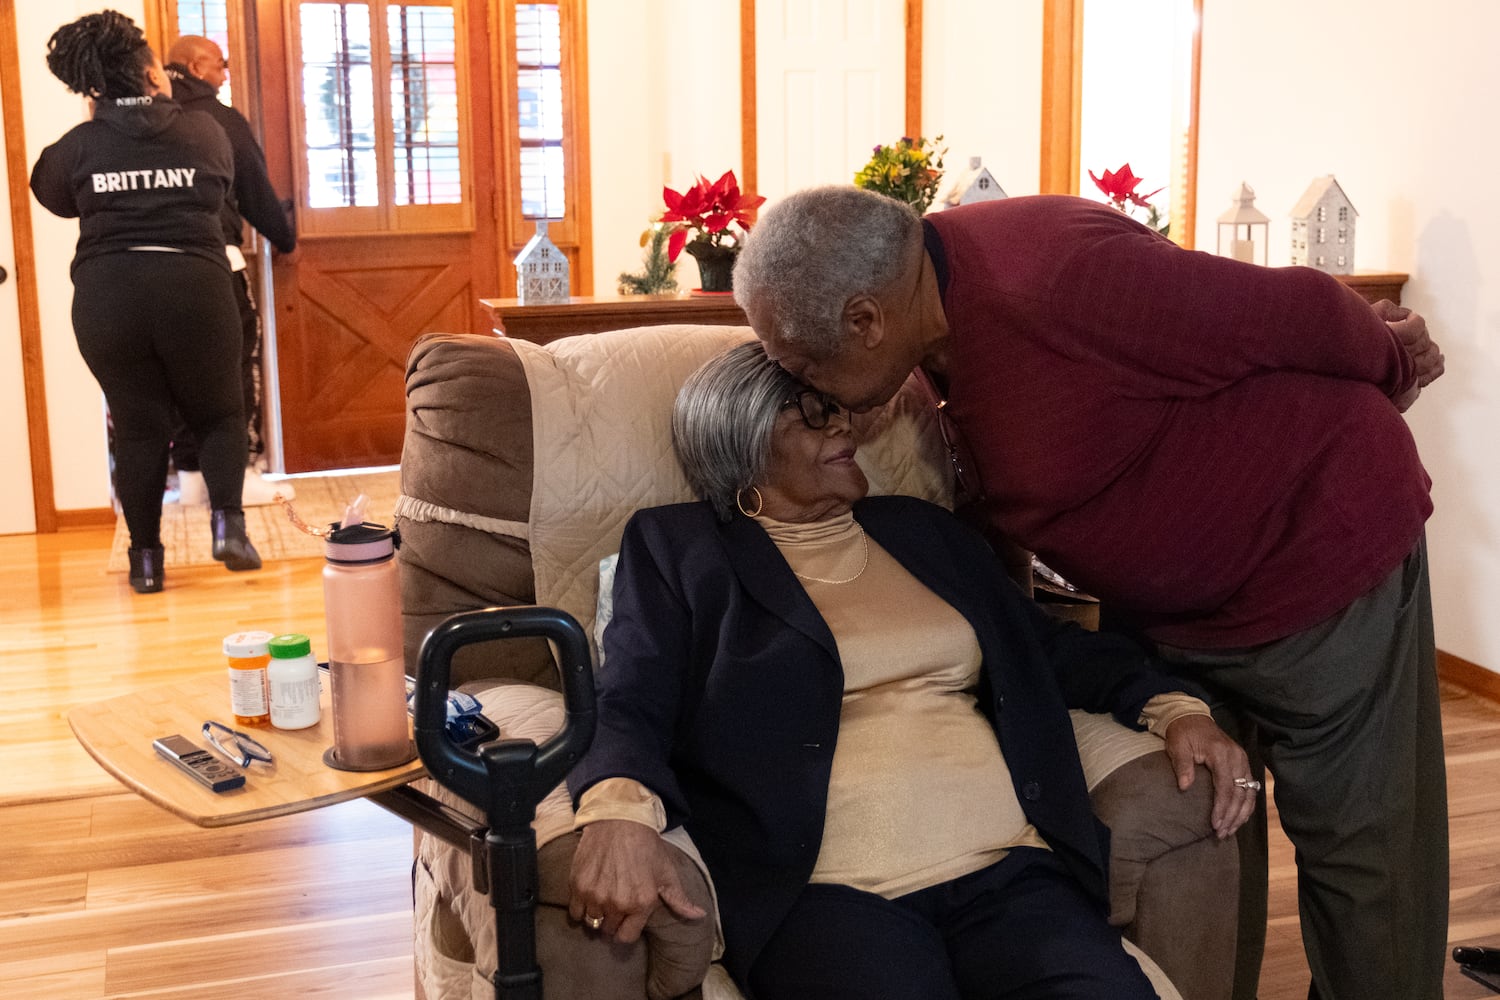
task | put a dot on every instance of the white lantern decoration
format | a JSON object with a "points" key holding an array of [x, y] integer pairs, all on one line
{"points": [[1241, 225], [541, 270]]}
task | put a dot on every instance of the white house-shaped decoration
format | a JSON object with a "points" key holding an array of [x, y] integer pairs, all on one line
{"points": [[1323, 228], [541, 270], [974, 184]]}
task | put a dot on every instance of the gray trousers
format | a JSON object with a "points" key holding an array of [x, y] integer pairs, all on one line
{"points": [[1345, 717]]}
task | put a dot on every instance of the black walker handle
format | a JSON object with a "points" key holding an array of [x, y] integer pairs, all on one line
{"points": [[507, 778]]}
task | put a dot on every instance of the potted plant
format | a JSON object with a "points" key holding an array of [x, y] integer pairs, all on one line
{"points": [[1119, 187], [700, 219]]}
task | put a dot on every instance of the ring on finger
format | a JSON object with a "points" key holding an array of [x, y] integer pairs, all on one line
{"points": [[1248, 784], [594, 922]]}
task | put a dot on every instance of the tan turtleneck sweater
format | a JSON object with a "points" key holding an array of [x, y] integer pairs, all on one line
{"points": [[905, 804]]}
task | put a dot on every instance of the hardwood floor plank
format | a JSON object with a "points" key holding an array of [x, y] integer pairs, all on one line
{"points": [[74, 975], [373, 980], [29, 897], [218, 961]]}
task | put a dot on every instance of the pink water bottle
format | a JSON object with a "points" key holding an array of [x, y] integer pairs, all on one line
{"points": [[367, 673]]}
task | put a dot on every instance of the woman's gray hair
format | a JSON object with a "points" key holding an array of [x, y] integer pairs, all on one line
{"points": [[812, 252], [723, 420]]}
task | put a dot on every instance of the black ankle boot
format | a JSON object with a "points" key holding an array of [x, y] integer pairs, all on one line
{"points": [[147, 570], [231, 547]]}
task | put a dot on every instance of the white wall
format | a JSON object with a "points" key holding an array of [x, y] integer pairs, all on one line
{"points": [[75, 406], [982, 86], [1395, 101], [664, 107]]}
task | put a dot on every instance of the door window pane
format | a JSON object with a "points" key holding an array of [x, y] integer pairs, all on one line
{"points": [[338, 98], [424, 105], [540, 110]]}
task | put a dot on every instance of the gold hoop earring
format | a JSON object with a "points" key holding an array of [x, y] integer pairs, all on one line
{"points": [[760, 502]]}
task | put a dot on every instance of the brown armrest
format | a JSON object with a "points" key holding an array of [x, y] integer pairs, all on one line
{"points": [[1173, 885], [671, 958]]}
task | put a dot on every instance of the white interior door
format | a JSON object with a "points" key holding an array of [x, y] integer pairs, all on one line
{"points": [[830, 85], [17, 506]]}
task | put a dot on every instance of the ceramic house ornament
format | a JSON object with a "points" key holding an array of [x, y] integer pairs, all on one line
{"points": [[541, 270], [1244, 228], [1323, 228], [973, 184]]}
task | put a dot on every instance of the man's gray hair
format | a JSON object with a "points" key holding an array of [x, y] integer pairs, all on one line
{"points": [[723, 419], [812, 252]]}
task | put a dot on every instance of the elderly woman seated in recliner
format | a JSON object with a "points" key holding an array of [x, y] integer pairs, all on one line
{"points": [[861, 722]]}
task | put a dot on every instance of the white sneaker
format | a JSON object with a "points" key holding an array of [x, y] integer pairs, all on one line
{"points": [[191, 490], [260, 491]]}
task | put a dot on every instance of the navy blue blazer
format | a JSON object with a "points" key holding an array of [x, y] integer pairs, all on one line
{"points": [[722, 689]]}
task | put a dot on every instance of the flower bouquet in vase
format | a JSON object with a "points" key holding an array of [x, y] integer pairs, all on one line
{"points": [[908, 170], [700, 218]]}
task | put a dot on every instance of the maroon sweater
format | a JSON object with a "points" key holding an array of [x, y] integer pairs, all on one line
{"points": [[1208, 446]]}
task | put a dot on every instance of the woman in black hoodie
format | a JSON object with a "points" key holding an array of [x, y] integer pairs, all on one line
{"points": [[153, 307]]}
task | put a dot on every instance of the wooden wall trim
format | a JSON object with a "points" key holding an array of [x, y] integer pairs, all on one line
{"points": [[914, 15], [1469, 676], [749, 149], [1062, 68], [39, 438], [1187, 228], [85, 517], [583, 205]]}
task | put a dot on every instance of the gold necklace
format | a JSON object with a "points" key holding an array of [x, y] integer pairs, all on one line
{"points": [[865, 540]]}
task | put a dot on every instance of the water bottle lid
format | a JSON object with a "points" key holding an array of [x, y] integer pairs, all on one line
{"points": [[360, 543], [290, 646], [243, 645]]}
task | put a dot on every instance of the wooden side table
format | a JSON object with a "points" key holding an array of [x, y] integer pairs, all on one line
{"points": [[117, 732], [541, 324], [1376, 285]]}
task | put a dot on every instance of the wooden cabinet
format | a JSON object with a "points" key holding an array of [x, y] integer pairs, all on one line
{"points": [[597, 313], [1376, 285]]}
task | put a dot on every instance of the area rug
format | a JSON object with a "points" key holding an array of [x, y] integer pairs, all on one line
{"points": [[321, 499]]}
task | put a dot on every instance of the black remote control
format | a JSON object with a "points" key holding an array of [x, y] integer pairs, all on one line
{"points": [[218, 775]]}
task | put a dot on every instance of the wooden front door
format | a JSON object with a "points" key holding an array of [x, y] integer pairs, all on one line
{"points": [[391, 155]]}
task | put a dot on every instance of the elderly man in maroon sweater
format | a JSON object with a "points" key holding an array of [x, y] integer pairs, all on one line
{"points": [[1214, 449]]}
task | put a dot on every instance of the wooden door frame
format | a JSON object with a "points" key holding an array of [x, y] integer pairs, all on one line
{"points": [[749, 122], [38, 434]]}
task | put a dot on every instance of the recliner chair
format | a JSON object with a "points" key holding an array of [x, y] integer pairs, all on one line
{"points": [[520, 466]]}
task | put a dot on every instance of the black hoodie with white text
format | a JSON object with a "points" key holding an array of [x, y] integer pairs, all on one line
{"points": [[142, 172]]}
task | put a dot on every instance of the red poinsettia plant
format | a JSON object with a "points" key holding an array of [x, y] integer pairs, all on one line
{"points": [[1119, 186], [704, 212]]}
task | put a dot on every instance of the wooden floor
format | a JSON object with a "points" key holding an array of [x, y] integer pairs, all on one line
{"points": [[104, 895]]}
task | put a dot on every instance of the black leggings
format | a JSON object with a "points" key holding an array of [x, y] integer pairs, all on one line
{"points": [[184, 444], [160, 330]]}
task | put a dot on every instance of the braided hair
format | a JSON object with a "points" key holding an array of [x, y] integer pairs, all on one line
{"points": [[103, 56]]}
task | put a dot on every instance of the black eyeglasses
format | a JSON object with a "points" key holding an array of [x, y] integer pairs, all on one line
{"points": [[817, 408], [240, 749]]}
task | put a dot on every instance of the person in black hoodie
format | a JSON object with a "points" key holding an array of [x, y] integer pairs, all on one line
{"points": [[198, 69], [153, 306]]}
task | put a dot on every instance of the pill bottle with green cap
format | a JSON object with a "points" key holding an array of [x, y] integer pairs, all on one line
{"points": [[293, 678]]}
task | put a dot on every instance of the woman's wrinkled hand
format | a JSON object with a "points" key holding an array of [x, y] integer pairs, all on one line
{"points": [[1197, 739], [622, 872]]}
